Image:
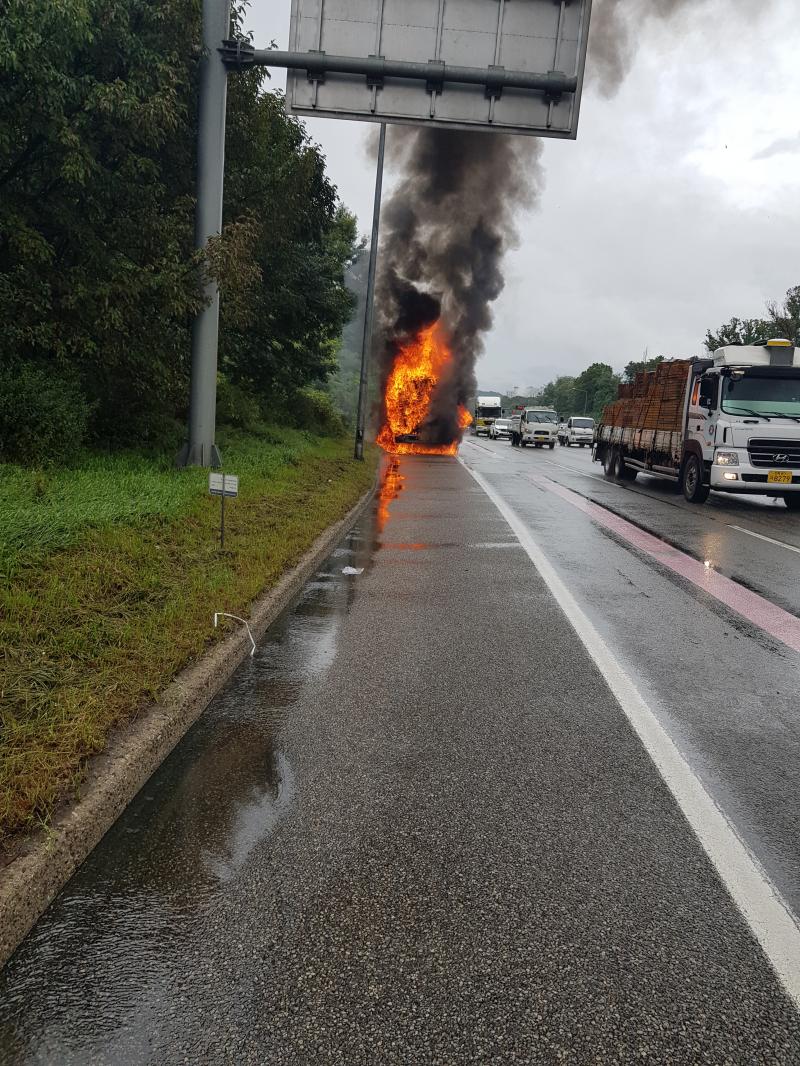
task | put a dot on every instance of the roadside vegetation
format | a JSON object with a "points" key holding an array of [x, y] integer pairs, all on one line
{"points": [[111, 573], [110, 567], [99, 279]]}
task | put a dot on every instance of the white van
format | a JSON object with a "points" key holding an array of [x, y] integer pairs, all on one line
{"points": [[576, 430]]}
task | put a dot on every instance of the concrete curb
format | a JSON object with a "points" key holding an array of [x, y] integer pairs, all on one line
{"points": [[35, 877]]}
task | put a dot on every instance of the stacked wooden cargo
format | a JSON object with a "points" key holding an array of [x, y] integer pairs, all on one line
{"points": [[653, 400]]}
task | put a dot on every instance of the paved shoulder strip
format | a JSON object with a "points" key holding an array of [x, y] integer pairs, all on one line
{"points": [[764, 911], [759, 611]]}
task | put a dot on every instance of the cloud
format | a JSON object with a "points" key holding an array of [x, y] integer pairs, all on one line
{"points": [[781, 146]]}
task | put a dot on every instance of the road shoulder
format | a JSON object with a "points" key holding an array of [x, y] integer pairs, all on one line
{"points": [[42, 864]]}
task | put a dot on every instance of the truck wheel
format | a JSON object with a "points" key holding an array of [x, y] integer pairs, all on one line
{"points": [[692, 484], [582, 445], [551, 445], [792, 502], [623, 472], [522, 442], [609, 462]]}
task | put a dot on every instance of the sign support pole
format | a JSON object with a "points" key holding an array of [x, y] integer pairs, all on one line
{"points": [[369, 306], [222, 514], [201, 449]]}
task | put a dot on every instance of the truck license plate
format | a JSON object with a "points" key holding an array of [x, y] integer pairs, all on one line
{"points": [[779, 477]]}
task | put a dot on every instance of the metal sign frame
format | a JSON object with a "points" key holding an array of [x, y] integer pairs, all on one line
{"points": [[510, 65]]}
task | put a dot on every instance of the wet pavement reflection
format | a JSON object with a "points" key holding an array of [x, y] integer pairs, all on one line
{"points": [[361, 853], [99, 955]]}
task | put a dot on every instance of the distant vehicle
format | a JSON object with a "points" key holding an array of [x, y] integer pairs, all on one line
{"points": [[729, 423], [501, 427], [534, 425], [487, 409], [576, 430]]}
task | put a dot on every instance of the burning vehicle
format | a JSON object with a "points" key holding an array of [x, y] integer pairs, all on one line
{"points": [[446, 226], [409, 426]]}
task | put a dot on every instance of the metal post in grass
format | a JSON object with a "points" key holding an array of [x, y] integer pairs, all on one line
{"points": [[366, 341], [222, 514], [201, 448], [223, 485]]}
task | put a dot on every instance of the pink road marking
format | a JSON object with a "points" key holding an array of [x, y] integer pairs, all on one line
{"points": [[774, 620]]}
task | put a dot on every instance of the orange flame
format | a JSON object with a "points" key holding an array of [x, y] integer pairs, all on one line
{"points": [[390, 488], [417, 369]]}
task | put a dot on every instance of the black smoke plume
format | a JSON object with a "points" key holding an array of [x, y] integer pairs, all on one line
{"points": [[618, 24], [446, 228]]}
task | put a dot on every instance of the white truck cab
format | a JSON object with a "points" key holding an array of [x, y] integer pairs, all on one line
{"points": [[534, 425], [744, 417], [729, 422], [576, 430], [487, 409]]}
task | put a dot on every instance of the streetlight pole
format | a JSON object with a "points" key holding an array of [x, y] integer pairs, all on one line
{"points": [[369, 306], [201, 448], [585, 394]]}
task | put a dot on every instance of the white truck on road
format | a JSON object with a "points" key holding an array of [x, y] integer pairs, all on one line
{"points": [[576, 430], [534, 425], [487, 409], [730, 423]]}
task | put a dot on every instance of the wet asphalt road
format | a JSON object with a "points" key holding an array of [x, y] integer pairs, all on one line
{"points": [[726, 691], [417, 827]]}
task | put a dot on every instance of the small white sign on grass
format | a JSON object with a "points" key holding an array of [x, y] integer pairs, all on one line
{"points": [[223, 484]]}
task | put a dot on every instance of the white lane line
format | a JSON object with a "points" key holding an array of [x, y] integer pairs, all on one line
{"points": [[482, 448], [497, 544], [769, 540], [748, 885]]}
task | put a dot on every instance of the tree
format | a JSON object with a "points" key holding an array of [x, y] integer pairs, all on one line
{"points": [[96, 126], [738, 331], [302, 242], [560, 395], [636, 367], [785, 318], [98, 275], [599, 382], [343, 385]]}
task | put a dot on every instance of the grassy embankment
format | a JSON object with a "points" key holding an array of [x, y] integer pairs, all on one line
{"points": [[109, 575]]}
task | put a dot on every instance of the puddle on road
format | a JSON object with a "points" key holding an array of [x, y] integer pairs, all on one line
{"points": [[96, 967], [91, 982]]}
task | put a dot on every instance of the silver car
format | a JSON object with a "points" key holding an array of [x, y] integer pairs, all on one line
{"points": [[501, 427]]}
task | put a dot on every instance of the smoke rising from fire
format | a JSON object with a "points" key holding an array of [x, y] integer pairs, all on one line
{"points": [[446, 228], [616, 23], [611, 38], [451, 218]]}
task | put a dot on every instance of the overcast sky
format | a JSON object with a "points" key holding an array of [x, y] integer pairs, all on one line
{"points": [[677, 207]]}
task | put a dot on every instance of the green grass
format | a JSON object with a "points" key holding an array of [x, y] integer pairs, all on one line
{"points": [[109, 575]]}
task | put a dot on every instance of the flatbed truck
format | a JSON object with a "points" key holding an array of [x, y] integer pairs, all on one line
{"points": [[730, 422]]}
